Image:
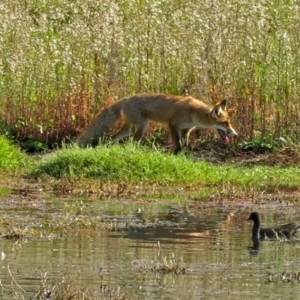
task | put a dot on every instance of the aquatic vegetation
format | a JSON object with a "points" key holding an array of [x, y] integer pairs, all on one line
{"points": [[162, 266], [64, 286], [18, 233], [67, 288], [284, 277]]}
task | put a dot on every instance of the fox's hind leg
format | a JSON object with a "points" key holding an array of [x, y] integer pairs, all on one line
{"points": [[123, 132], [137, 122], [137, 129]]}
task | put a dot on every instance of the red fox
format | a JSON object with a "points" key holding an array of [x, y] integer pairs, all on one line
{"points": [[180, 113]]}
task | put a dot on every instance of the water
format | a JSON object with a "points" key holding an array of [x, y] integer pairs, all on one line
{"points": [[211, 242]]}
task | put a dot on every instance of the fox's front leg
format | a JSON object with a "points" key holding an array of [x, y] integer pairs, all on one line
{"points": [[184, 137], [176, 138]]}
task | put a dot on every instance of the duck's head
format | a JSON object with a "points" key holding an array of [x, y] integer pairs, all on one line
{"points": [[254, 216]]}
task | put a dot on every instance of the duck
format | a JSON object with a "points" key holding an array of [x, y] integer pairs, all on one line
{"points": [[286, 231]]}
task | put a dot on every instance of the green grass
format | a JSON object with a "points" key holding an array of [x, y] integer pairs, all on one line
{"points": [[132, 163], [11, 158]]}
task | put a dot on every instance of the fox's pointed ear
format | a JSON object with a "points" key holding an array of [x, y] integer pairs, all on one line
{"points": [[222, 106]]}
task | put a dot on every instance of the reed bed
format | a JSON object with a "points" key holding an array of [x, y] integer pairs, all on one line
{"points": [[63, 61]]}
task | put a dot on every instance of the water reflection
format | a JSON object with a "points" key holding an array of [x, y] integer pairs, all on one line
{"points": [[254, 249], [178, 225], [211, 242]]}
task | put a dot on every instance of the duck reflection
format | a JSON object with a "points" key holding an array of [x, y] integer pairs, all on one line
{"points": [[254, 249]]}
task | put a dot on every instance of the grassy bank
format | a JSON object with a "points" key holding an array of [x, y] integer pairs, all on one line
{"points": [[132, 164], [135, 164], [63, 60], [11, 157]]}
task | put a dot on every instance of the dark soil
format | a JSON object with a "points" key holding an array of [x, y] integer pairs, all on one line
{"points": [[218, 153], [212, 149]]}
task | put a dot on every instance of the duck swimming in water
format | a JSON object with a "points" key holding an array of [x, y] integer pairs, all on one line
{"points": [[286, 231]]}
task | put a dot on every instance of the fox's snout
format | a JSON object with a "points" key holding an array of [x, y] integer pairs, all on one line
{"points": [[232, 132], [226, 133]]}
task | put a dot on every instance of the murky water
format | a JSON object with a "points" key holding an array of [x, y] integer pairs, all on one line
{"points": [[211, 242]]}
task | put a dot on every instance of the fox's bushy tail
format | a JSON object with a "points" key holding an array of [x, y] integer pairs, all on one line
{"points": [[101, 125]]}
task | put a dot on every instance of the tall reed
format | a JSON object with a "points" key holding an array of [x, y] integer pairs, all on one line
{"points": [[61, 61]]}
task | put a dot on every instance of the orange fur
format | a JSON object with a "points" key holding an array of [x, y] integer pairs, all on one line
{"points": [[180, 113]]}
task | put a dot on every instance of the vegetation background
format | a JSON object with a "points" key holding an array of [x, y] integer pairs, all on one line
{"points": [[63, 61]]}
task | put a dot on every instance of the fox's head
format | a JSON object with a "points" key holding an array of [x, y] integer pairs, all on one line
{"points": [[222, 122]]}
